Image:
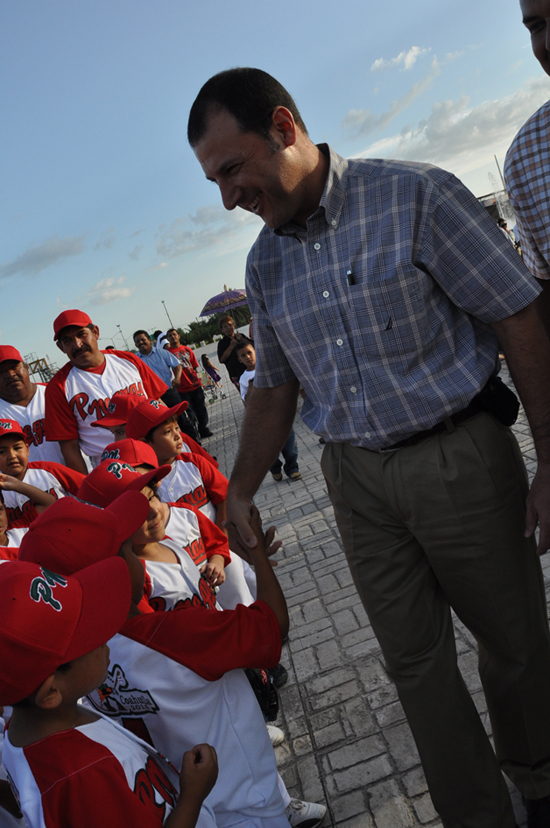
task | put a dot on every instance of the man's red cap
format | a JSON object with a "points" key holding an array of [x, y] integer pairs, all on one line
{"points": [[70, 317], [112, 477], [133, 452], [70, 535], [119, 409], [47, 620], [8, 352], [150, 414], [12, 427]]}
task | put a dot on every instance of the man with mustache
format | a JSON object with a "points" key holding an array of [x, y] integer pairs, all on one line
{"points": [[80, 392], [23, 401]]}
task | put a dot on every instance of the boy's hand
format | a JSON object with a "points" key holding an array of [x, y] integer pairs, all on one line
{"points": [[199, 771], [272, 546], [9, 483], [213, 571]]}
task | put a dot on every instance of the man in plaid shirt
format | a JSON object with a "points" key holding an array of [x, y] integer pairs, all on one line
{"points": [[527, 166], [381, 287]]}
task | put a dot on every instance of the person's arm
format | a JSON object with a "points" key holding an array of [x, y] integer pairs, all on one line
{"points": [[39, 499], [70, 449], [232, 345], [199, 771], [267, 422], [214, 570], [177, 375], [221, 516], [527, 350], [542, 303], [268, 587]]}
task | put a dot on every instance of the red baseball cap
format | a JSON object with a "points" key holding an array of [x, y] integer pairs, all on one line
{"points": [[112, 477], [7, 352], [12, 427], [119, 409], [149, 414], [47, 619], [70, 317], [133, 452], [70, 535]]}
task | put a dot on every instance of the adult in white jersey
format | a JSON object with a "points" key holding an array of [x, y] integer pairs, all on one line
{"points": [[23, 401], [80, 392]]}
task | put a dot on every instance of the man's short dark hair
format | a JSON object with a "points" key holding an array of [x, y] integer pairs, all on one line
{"points": [[172, 329], [137, 333], [250, 95], [242, 345]]}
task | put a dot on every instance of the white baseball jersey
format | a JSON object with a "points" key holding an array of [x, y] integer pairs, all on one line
{"points": [[75, 398], [53, 478], [32, 420], [194, 481], [6, 819], [15, 536], [193, 531], [173, 679], [93, 776], [176, 585]]}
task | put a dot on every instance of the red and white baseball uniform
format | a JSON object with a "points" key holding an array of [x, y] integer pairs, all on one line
{"points": [[32, 419], [235, 589], [177, 585], [195, 481], [53, 478], [9, 552], [190, 445], [188, 361], [93, 776], [174, 680], [75, 398]]}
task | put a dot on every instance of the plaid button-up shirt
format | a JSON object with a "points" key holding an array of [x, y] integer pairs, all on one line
{"points": [[527, 174], [381, 307]]}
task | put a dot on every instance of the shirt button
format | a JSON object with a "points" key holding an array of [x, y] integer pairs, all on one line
{"points": [[326, 294], [316, 246], [333, 222], [353, 389], [367, 434], [339, 341]]}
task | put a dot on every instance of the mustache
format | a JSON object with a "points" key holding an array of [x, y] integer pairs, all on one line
{"points": [[81, 350]]}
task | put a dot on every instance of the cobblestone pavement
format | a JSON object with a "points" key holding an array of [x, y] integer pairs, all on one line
{"points": [[347, 741]]}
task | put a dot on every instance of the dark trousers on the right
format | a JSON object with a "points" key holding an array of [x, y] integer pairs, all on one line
{"points": [[436, 526], [196, 402]]}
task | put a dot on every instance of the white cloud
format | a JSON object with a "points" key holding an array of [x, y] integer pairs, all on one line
{"points": [[107, 240], [404, 60], [461, 136], [108, 290], [358, 122], [160, 266], [210, 227], [38, 258]]}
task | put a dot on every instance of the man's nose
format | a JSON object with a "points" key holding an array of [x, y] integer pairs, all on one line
{"points": [[230, 196]]}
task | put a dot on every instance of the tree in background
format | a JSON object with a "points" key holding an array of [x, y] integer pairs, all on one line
{"points": [[205, 329]]}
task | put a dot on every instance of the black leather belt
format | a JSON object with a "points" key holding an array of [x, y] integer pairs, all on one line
{"points": [[448, 424]]}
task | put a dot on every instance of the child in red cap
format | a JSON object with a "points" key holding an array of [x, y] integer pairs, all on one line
{"points": [[53, 478], [67, 765], [175, 675]]}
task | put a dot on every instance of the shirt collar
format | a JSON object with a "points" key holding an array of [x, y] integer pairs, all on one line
{"points": [[334, 194]]}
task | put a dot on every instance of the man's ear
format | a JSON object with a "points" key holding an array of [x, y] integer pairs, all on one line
{"points": [[48, 696], [284, 124], [59, 345], [95, 331]]}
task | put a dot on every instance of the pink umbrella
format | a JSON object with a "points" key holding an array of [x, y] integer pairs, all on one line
{"points": [[225, 301]]}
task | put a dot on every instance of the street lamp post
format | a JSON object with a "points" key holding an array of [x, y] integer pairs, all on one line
{"points": [[167, 314], [124, 338]]}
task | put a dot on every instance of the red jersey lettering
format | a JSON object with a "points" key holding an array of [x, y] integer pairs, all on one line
{"points": [[197, 497]]}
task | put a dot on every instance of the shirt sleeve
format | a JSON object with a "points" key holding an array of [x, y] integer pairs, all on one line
{"points": [[171, 360], [211, 643], [69, 478], [215, 542], [60, 421], [215, 483]]}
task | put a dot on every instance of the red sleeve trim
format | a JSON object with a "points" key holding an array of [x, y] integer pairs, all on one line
{"points": [[215, 483], [60, 422], [70, 479]]}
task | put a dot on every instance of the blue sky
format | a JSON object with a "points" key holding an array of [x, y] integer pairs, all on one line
{"points": [[103, 205]]}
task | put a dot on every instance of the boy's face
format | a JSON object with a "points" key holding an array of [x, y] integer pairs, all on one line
{"points": [[153, 529], [135, 569], [248, 357], [14, 455], [3, 519], [173, 338], [118, 432], [166, 441]]}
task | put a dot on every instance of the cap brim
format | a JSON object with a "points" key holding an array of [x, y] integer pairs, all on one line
{"points": [[107, 422], [131, 510], [144, 479], [106, 597]]}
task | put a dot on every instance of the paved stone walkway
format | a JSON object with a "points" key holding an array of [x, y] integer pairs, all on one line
{"points": [[347, 742]]}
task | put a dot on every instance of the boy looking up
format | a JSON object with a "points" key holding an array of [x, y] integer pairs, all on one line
{"points": [[67, 765]]}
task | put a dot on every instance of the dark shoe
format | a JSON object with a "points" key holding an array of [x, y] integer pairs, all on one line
{"points": [[538, 812], [207, 433], [279, 675]]}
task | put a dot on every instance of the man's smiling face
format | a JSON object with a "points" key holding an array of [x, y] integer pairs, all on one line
{"points": [[536, 18], [252, 173]]}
